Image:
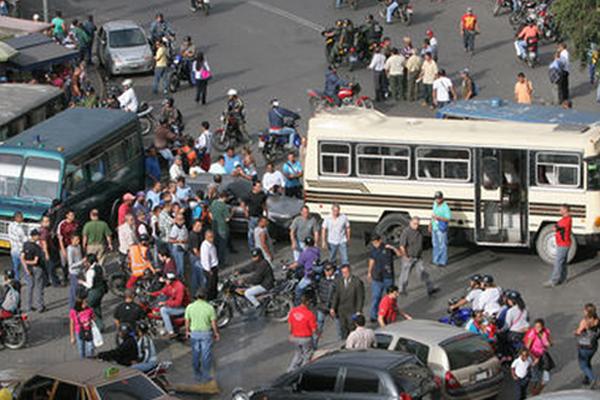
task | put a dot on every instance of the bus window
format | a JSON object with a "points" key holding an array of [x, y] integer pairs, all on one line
{"points": [[391, 161], [75, 181], [490, 169], [10, 172], [40, 178], [593, 174], [97, 170], [443, 164], [36, 116], [17, 126], [133, 147], [555, 169], [4, 132], [335, 159], [116, 156]]}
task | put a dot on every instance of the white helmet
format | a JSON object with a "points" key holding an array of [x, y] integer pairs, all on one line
{"points": [[36, 17], [232, 92], [275, 103], [128, 83]]}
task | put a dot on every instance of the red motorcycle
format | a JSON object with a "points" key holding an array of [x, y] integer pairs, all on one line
{"points": [[150, 306], [348, 95]]}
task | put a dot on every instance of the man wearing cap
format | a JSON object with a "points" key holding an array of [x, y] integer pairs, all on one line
{"points": [[469, 27], [433, 44], [128, 312], [260, 277], [440, 220], [139, 259], [277, 116], [96, 236], [303, 326], [31, 259], [177, 298], [128, 100], [125, 207], [381, 271]]}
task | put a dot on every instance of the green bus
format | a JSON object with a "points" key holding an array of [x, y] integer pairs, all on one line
{"points": [[85, 158]]}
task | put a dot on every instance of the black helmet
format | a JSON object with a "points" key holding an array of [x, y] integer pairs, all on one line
{"points": [[309, 241], [513, 295], [144, 238], [9, 274], [125, 329], [143, 327], [487, 279], [328, 266], [255, 252], [476, 278]]}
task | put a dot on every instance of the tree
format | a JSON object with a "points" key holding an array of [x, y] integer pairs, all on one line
{"points": [[579, 21]]}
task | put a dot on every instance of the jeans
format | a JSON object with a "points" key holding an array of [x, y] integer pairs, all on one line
{"points": [[379, 84], [342, 248], [252, 223], [407, 265], [390, 12], [396, 87], [252, 292], [300, 287], [178, 254], [564, 83], [469, 40], [428, 93], [50, 273], [201, 89], [201, 355], [584, 356], [145, 367], [439, 241], [166, 313], [222, 243], [159, 74], [522, 384], [198, 277], [285, 131], [73, 285], [303, 353], [296, 253], [34, 288], [559, 272], [85, 349], [441, 104], [378, 289], [16, 264], [592, 72]]}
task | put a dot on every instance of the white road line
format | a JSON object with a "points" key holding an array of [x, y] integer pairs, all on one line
{"points": [[292, 17]]}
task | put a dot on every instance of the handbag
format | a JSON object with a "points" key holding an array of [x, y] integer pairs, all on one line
{"points": [[547, 362], [96, 335], [205, 74]]}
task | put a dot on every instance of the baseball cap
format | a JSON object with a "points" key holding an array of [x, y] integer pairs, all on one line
{"points": [[170, 276], [438, 195], [128, 196]]}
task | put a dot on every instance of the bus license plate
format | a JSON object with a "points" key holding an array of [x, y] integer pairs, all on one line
{"points": [[481, 376], [4, 244]]}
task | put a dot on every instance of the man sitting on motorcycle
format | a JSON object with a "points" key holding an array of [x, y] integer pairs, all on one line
{"points": [[472, 296], [489, 299], [307, 259], [172, 115], [530, 32], [235, 108], [10, 295], [128, 100], [332, 84], [277, 116], [346, 37], [160, 28], [139, 260], [177, 298], [261, 278]]}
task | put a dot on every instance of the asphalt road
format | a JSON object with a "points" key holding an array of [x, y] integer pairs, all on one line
{"points": [[272, 48]]}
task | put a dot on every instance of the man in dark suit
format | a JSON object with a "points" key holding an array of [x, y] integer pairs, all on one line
{"points": [[348, 300]]}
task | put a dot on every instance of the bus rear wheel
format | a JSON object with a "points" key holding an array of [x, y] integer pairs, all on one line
{"points": [[545, 245], [391, 226]]}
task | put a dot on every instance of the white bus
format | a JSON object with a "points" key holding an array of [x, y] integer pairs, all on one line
{"points": [[504, 181]]}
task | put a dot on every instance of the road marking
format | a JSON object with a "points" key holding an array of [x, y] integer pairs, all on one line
{"points": [[292, 17]]}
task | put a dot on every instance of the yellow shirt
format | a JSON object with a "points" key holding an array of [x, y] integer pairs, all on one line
{"points": [[161, 58], [429, 70], [523, 91]]}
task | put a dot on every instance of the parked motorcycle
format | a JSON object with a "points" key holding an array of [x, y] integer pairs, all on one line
{"points": [[500, 4], [348, 95], [178, 72], [202, 5], [231, 133], [273, 146], [13, 331], [404, 13]]}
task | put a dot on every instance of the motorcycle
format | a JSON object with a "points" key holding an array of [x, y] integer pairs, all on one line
{"points": [[273, 146], [500, 4], [404, 12], [348, 95], [203, 5], [144, 111], [150, 306], [178, 72], [232, 132], [117, 279], [531, 52], [547, 26], [13, 331], [518, 17], [458, 317]]}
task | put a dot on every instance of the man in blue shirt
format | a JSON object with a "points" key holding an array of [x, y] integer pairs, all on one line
{"points": [[307, 259], [232, 160], [153, 196], [184, 192], [380, 271], [152, 167], [277, 116], [292, 170], [332, 84]]}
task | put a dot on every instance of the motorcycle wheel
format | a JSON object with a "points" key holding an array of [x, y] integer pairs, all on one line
{"points": [[14, 334], [173, 83], [220, 140], [365, 103], [224, 312], [497, 8], [116, 284], [279, 308], [147, 125], [514, 19]]}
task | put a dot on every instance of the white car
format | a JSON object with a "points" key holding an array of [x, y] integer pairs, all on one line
{"points": [[123, 48], [578, 394]]}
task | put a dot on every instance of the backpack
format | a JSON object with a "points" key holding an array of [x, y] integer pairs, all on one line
{"points": [[475, 88], [554, 74]]}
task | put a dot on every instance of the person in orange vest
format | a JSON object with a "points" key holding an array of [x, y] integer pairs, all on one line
{"points": [[139, 260], [469, 27]]}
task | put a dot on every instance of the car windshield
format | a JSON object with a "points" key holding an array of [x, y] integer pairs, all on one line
{"points": [[10, 172], [134, 388], [40, 179], [126, 38], [466, 351], [593, 173]]}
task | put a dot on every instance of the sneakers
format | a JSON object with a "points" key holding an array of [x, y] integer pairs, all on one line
{"points": [[550, 284], [433, 291]]}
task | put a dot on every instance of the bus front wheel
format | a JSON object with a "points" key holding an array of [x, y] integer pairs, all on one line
{"points": [[391, 226], [545, 245]]}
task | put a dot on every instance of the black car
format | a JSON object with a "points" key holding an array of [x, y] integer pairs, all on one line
{"points": [[352, 374]]}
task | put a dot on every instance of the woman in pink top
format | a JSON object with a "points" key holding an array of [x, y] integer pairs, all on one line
{"points": [[80, 328], [537, 340]]}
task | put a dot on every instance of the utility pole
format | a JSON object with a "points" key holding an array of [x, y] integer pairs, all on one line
{"points": [[45, 6]]}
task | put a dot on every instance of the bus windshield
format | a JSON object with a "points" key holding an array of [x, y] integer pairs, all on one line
{"points": [[34, 178]]}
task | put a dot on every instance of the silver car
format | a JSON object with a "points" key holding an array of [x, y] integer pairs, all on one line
{"points": [[123, 48], [464, 362], [578, 394]]}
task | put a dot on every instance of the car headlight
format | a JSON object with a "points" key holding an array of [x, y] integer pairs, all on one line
{"points": [[148, 57], [117, 60]]}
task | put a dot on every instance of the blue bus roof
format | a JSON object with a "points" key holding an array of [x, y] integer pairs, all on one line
{"points": [[73, 131], [496, 109]]}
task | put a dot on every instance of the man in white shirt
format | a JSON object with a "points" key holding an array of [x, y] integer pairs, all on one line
{"points": [[377, 65], [176, 169], [520, 370], [335, 234], [489, 298], [564, 59], [273, 180], [394, 70], [218, 167], [203, 141], [17, 237], [360, 338], [443, 90], [126, 233], [210, 263], [128, 100]]}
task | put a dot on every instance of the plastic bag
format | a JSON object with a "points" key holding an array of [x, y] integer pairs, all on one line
{"points": [[97, 336]]}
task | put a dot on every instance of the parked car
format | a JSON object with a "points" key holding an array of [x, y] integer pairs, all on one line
{"points": [[123, 48], [352, 374], [463, 361], [578, 394], [81, 379]]}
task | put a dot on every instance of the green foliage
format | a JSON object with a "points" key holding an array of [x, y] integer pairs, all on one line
{"points": [[579, 21]]}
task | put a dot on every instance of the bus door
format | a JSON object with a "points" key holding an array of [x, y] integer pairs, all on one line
{"points": [[501, 215]]}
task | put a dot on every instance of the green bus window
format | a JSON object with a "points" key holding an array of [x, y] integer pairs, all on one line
{"points": [[10, 171], [97, 170], [117, 156], [75, 181], [40, 178]]}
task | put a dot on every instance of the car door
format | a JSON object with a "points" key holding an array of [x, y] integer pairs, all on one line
{"points": [[102, 46], [364, 384], [413, 347]]}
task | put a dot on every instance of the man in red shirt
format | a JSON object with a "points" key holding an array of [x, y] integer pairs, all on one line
{"points": [[388, 308], [125, 208], [469, 27], [303, 326], [177, 299], [529, 33], [563, 235]]}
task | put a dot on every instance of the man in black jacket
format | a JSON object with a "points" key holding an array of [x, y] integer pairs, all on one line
{"points": [[260, 277], [325, 293], [348, 299], [125, 353]]}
